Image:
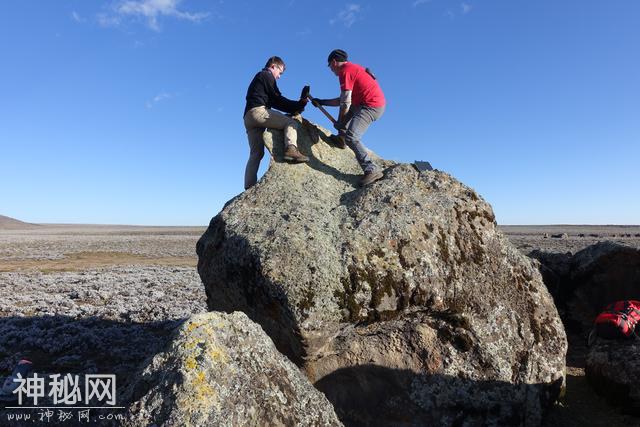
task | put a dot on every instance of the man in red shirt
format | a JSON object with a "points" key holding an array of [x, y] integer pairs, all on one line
{"points": [[361, 103]]}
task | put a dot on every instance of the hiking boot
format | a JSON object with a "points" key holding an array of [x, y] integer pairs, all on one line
{"points": [[338, 141], [293, 155], [370, 177]]}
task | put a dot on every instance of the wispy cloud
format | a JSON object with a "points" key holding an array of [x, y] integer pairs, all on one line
{"points": [[348, 15], [419, 2], [466, 7], [158, 98], [76, 17], [148, 10]]}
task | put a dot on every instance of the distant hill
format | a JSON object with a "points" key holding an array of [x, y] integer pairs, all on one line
{"points": [[7, 223]]}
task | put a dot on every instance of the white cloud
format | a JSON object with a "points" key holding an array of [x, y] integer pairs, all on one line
{"points": [[150, 11], [347, 15], [158, 98], [76, 17], [419, 2], [466, 7]]}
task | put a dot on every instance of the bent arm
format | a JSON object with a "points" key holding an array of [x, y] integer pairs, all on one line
{"points": [[333, 102]]}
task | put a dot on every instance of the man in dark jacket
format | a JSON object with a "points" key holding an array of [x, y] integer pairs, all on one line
{"points": [[263, 96]]}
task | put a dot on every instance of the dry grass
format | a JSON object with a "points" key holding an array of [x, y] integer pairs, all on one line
{"points": [[80, 261]]}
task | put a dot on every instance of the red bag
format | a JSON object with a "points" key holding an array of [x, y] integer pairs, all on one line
{"points": [[618, 320]]}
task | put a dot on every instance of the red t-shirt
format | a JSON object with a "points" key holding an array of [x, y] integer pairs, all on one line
{"points": [[365, 90]]}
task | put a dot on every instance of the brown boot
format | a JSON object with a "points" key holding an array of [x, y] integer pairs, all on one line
{"points": [[293, 155], [370, 177]]}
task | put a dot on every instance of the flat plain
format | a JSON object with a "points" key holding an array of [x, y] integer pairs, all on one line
{"points": [[102, 299]]}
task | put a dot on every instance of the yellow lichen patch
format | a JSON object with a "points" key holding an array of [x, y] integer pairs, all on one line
{"points": [[216, 354], [193, 325], [191, 363], [199, 397], [202, 390]]}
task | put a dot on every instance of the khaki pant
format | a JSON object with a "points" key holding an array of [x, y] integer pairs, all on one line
{"points": [[256, 121]]}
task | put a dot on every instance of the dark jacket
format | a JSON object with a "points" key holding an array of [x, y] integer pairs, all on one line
{"points": [[263, 90]]}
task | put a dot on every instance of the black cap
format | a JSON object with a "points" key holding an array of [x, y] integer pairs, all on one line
{"points": [[337, 54]]}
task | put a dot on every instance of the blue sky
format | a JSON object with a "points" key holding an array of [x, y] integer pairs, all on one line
{"points": [[130, 112]]}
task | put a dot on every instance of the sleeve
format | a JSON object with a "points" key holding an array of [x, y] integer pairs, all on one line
{"points": [[281, 103], [346, 80]]}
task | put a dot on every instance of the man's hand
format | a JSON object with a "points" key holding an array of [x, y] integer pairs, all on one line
{"points": [[304, 94], [339, 126]]}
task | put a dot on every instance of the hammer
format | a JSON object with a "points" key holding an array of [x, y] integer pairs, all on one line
{"points": [[336, 139], [306, 94]]}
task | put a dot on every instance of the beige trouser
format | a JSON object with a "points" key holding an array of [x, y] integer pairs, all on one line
{"points": [[255, 122]]}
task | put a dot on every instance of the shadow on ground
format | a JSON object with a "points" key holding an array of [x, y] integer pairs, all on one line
{"points": [[371, 395], [65, 345]]}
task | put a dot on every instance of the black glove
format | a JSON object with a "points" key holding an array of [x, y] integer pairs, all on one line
{"points": [[339, 126], [316, 102], [305, 92], [300, 107]]}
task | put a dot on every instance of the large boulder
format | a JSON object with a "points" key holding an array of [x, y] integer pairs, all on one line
{"points": [[402, 300], [223, 370]]}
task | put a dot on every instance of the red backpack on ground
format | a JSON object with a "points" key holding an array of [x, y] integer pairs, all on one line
{"points": [[618, 320]]}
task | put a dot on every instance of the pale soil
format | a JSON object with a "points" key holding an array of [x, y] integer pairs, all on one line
{"points": [[87, 299]]}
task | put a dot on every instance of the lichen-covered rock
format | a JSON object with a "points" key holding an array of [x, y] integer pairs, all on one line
{"points": [[601, 274], [408, 276], [613, 369], [223, 370]]}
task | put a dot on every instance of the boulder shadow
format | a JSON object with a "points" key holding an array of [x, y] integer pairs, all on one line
{"points": [[372, 395], [240, 286]]}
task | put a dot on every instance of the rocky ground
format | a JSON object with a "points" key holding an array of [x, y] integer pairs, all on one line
{"points": [[98, 299], [93, 299]]}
